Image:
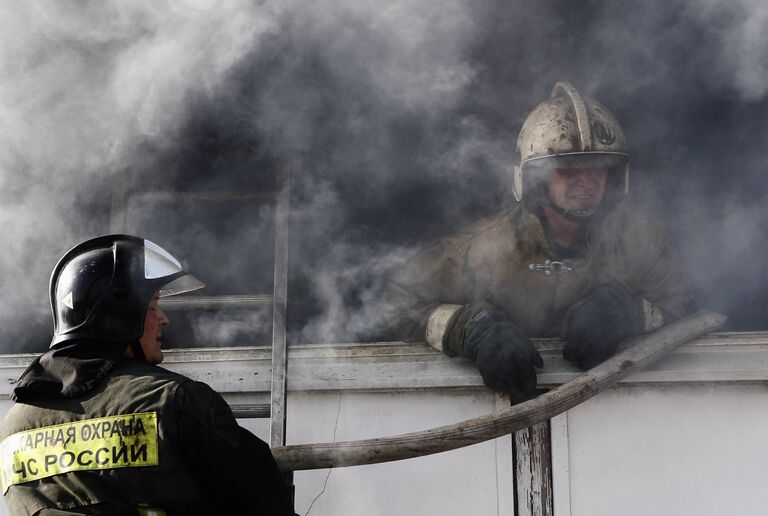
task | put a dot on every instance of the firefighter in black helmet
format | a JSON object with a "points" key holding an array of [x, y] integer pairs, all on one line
{"points": [[98, 428], [573, 259]]}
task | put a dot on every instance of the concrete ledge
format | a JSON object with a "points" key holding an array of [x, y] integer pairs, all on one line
{"points": [[397, 366]]}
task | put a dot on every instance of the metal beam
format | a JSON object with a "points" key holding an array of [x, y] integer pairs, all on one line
{"points": [[279, 307], [251, 410], [215, 302], [220, 196]]}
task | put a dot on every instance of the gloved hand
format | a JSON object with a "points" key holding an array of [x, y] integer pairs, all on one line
{"points": [[503, 354], [594, 326]]}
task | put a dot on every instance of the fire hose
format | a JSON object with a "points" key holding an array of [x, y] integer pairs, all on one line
{"points": [[642, 352]]}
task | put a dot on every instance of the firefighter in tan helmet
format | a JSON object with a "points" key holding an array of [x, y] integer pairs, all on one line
{"points": [[573, 259]]}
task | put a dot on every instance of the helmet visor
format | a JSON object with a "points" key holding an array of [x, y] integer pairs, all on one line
{"points": [[159, 263], [579, 160]]}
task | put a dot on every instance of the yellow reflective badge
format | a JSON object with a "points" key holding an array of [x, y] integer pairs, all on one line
{"points": [[124, 441]]}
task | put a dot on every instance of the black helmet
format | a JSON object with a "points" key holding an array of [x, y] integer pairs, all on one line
{"points": [[101, 288]]}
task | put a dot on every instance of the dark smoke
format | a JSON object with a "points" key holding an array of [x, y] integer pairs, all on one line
{"points": [[403, 117]]}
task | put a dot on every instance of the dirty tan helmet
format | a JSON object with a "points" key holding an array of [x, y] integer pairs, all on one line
{"points": [[567, 131]]}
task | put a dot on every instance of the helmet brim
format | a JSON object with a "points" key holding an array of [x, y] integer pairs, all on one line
{"points": [[579, 160]]}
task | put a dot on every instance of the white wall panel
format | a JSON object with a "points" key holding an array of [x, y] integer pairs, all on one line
{"points": [[457, 483], [670, 451]]}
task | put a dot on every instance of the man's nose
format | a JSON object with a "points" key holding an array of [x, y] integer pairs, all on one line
{"points": [[586, 177], [162, 319]]}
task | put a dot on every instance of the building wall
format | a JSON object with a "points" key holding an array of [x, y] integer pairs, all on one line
{"points": [[470, 481], [665, 450], [683, 437]]}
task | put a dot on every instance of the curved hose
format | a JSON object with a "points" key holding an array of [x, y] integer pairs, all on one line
{"points": [[644, 350]]}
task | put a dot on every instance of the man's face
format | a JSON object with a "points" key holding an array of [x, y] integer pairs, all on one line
{"points": [[577, 189], [153, 330]]}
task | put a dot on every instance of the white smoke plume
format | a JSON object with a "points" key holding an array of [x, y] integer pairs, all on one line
{"points": [[82, 85], [404, 116], [739, 27]]}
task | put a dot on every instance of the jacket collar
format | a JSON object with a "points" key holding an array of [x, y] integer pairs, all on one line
{"points": [[67, 371]]}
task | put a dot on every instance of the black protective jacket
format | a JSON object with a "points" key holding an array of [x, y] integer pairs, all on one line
{"points": [[110, 436]]}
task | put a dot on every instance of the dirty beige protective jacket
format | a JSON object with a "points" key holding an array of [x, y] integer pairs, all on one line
{"points": [[503, 261]]}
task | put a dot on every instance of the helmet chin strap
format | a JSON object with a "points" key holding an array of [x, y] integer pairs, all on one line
{"points": [[138, 351]]}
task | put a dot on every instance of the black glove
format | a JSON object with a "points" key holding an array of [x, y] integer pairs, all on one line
{"points": [[503, 354], [594, 326]]}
